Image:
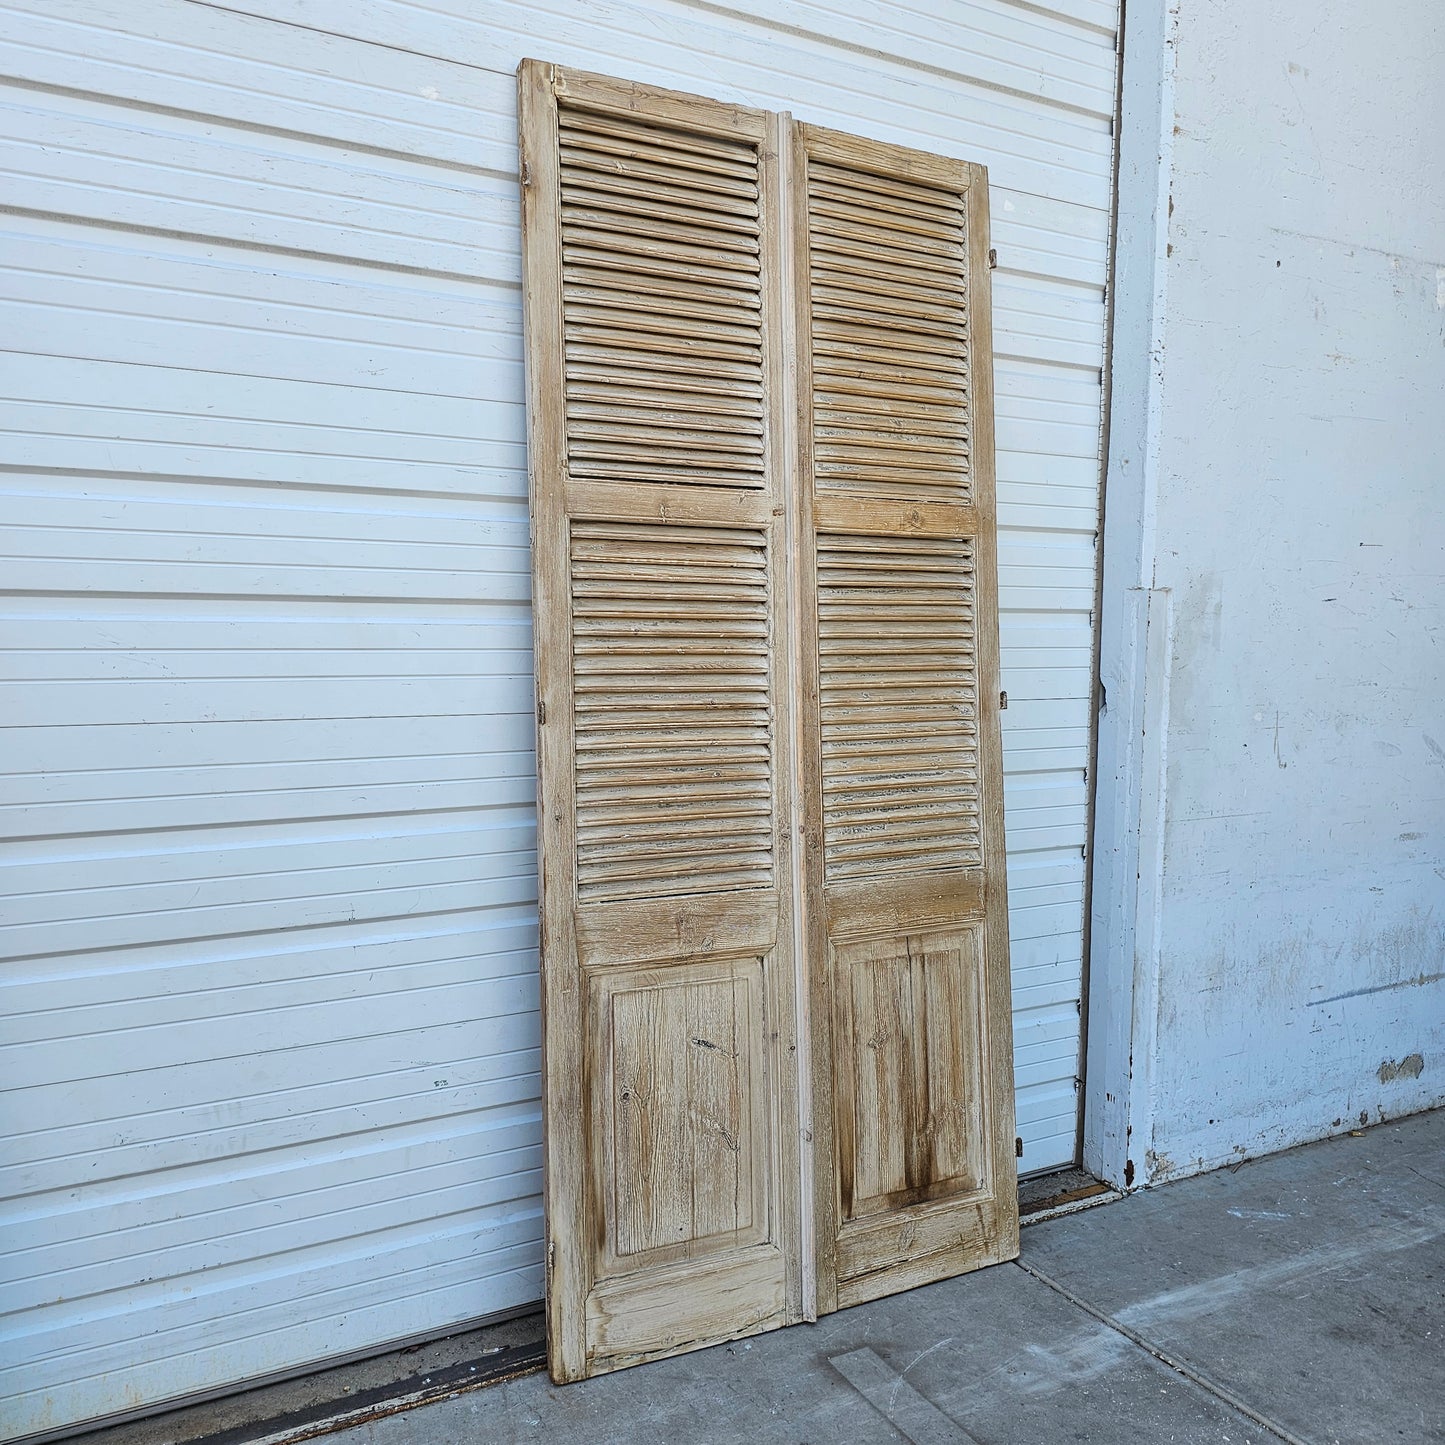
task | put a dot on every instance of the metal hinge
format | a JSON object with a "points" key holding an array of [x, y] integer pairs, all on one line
{"points": [[1003, 701], [541, 713], [992, 258]]}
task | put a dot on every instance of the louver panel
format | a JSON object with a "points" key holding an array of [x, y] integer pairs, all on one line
{"points": [[650, 225], [899, 705], [673, 733], [889, 323], [906, 913], [661, 304]]}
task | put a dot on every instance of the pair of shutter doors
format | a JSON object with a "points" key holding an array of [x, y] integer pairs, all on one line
{"points": [[777, 1064]]}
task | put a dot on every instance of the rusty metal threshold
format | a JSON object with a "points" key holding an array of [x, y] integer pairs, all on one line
{"points": [[1046, 1196], [345, 1395], [392, 1398]]}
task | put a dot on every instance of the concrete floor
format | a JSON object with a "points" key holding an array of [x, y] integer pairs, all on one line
{"points": [[1298, 1298]]}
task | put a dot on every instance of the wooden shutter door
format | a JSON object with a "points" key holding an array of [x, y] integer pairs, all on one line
{"points": [[907, 934], [671, 1049]]}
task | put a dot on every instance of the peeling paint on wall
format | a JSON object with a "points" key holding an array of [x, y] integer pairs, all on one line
{"points": [[1410, 1067]]}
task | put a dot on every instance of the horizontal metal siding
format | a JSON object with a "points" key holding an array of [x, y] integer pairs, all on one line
{"points": [[271, 1009]]}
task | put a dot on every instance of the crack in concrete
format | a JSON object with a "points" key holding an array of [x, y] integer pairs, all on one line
{"points": [[1180, 1367]]}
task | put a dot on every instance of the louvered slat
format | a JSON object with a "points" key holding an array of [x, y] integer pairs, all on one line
{"points": [[661, 304], [899, 705], [889, 321], [673, 750]]}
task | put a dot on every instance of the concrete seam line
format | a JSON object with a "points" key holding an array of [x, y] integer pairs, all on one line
{"points": [[913, 1415], [1226, 1397]]}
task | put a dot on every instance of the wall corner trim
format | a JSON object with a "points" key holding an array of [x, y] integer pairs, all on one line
{"points": [[1135, 623]]}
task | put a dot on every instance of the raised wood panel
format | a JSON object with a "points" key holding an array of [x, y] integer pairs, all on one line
{"points": [[909, 1086], [680, 1111]]}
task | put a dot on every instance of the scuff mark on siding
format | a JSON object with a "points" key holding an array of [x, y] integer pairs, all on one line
{"points": [[1419, 981]]}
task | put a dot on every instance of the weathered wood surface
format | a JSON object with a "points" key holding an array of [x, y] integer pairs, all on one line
{"points": [[669, 985], [905, 909], [777, 1077]]}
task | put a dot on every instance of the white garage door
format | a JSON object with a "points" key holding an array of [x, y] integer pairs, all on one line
{"points": [[270, 1003]]}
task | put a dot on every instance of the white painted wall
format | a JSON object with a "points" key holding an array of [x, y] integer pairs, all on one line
{"points": [[1270, 900]]}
